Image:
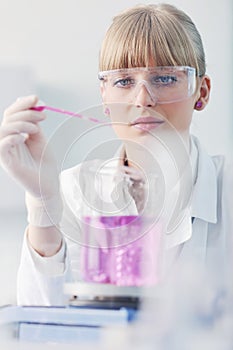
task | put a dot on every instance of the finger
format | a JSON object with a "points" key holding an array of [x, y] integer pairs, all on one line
{"points": [[21, 104], [28, 115], [17, 128], [11, 158], [135, 174], [8, 143]]}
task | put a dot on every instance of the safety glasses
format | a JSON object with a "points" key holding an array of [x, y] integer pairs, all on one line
{"points": [[165, 84]]}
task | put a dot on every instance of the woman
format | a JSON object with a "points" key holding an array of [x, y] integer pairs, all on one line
{"points": [[152, 77]]}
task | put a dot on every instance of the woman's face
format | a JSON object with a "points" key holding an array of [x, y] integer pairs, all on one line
{"points": [[143, 104]]}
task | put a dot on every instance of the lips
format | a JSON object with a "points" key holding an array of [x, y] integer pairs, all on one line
{"points": [[147, 123]]}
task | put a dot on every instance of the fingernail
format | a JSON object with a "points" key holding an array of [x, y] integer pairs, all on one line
{"points": [[24, 135]]}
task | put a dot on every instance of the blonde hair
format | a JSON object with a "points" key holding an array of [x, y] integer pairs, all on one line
{"points": [[152, 35]]}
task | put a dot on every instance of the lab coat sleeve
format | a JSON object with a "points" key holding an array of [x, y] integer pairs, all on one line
{"points": [[40, 280]]}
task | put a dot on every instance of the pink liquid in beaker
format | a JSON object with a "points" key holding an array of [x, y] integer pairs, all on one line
{"points": [[121, 250]]}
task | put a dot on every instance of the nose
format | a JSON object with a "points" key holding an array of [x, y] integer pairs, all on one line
{"points": [[144, 96]]}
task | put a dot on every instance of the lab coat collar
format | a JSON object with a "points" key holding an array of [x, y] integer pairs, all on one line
{"points": [[204, 196]]}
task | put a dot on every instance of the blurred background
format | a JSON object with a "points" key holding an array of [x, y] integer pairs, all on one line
{"points": [[50, 48]]}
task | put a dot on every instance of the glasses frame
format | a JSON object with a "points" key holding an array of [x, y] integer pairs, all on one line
{"points": [[105, 73], [191, 72]]}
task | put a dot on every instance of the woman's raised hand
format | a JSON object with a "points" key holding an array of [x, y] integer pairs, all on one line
{"points": [[22, 149]]}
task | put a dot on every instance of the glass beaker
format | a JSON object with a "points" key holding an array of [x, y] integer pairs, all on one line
{"points": [[121, 227]]}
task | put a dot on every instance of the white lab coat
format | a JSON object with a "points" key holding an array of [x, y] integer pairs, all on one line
{"points": [[208, 245]]}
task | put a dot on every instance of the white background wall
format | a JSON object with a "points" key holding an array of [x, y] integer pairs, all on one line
{"points": [[50, 47]]}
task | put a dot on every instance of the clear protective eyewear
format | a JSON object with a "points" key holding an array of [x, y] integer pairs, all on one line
{"points": [[165, 84]]}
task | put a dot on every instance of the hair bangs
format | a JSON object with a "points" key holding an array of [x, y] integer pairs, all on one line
{"points": [[148, 36]]}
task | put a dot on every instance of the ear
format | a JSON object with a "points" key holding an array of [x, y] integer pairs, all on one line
{"points": [[203, 93]]}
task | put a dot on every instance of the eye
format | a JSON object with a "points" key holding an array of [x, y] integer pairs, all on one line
{"points": [[164, 79], [123, 82]]}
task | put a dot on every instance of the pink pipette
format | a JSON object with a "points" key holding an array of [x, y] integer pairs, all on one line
{"points": [[62, 111]]}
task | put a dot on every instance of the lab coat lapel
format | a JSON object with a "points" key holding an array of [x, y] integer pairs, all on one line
{"points": [[204, 197], [203, 208]]}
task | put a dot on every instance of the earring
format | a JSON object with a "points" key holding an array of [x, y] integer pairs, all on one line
{"points": [[107, 111], [198, 104]]}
